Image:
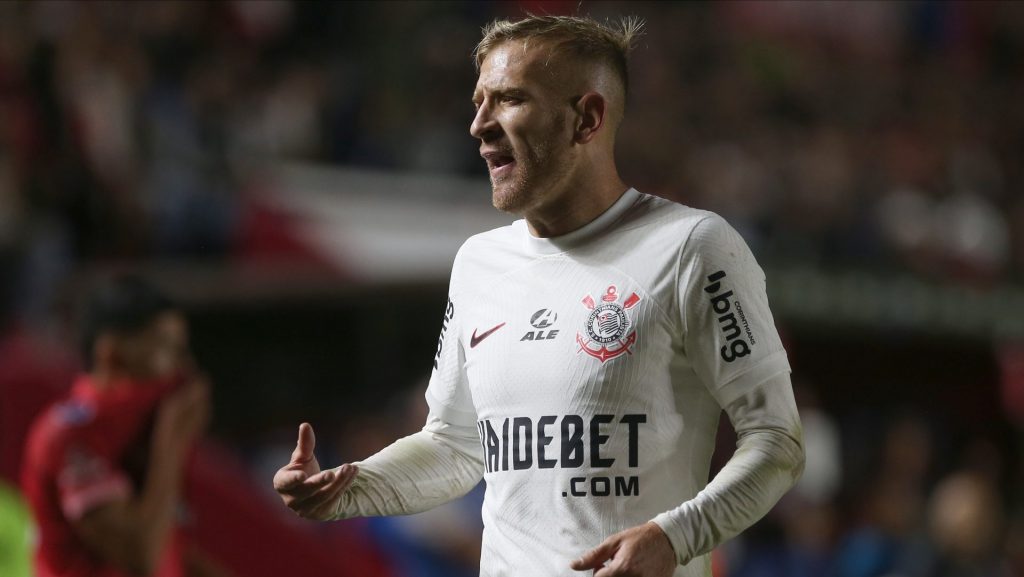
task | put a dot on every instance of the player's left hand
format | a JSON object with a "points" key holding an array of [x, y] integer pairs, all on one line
{"points": [[642, 551]]}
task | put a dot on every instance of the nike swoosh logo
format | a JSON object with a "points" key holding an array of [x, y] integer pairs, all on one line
{"points": [[475, 340]]}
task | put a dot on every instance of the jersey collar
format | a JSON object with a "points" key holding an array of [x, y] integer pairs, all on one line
{"points": [[558, 244]]}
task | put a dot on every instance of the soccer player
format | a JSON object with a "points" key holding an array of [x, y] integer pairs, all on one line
{"points": [[104, 466], [586, 351]]}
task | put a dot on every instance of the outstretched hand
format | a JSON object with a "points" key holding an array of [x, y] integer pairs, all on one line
{"points": [[642, 551], [304, 488]]}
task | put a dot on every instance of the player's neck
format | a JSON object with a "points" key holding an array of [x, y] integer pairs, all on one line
{"points": [[582, 201], [106, 379]]}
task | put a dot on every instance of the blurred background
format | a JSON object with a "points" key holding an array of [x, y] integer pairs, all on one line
{"points": [[300, 174]]}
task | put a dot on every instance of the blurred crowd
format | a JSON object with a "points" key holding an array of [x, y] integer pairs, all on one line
{"points": [[881, 135], [871, 134], [844, 133], [890, 495]]}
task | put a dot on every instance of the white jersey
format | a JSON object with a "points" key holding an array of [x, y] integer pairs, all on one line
{"points": [[594, 367]]}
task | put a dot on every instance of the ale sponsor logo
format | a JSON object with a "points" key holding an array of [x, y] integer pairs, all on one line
{"points": [[542, 320]]}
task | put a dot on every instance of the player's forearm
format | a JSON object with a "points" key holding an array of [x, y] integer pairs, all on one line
{"points": [[130, 534], [416, 473], [768, 461], [152, 513]]}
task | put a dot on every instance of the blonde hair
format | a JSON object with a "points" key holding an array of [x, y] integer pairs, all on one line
{"points": [[582, 37]]}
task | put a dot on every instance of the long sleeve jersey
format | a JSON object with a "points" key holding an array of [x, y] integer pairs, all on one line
{"points": [[583, 378]]}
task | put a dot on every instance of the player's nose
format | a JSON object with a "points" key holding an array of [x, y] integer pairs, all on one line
{"points": [[484, 126]]}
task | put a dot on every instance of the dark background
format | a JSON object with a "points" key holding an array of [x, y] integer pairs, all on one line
{"points": [[869, 152]]}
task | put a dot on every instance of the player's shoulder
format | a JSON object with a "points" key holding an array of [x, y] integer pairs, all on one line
{"points": [[489, 252], [62, 423], [660, 216], [489, 240], [70, 416]]}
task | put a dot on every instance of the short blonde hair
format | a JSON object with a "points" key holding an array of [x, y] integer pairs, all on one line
{"points": [[579, 36]]}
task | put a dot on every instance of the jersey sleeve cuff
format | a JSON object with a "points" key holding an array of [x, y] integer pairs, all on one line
{"points": [[676, 536], [739, 384]]}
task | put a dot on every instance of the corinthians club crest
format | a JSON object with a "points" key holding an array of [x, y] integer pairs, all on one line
{"points": [[607, 326]]}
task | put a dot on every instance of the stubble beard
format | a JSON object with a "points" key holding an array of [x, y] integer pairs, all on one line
{"points": [[517, 192], [510, 194]]}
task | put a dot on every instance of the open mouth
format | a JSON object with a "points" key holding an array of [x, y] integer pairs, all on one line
{"points": [[499, 164]]}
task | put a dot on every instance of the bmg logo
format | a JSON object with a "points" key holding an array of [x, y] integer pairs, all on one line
{"points": [[735, 346]]}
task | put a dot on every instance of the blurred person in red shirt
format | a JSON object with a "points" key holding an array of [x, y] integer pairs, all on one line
{"points": [[104, 466]]}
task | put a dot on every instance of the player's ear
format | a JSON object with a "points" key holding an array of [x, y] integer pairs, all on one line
{"points": [[591, 109]]}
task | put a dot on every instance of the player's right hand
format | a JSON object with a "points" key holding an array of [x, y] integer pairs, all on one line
{"points": [[304, 488], [182, 417]]}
